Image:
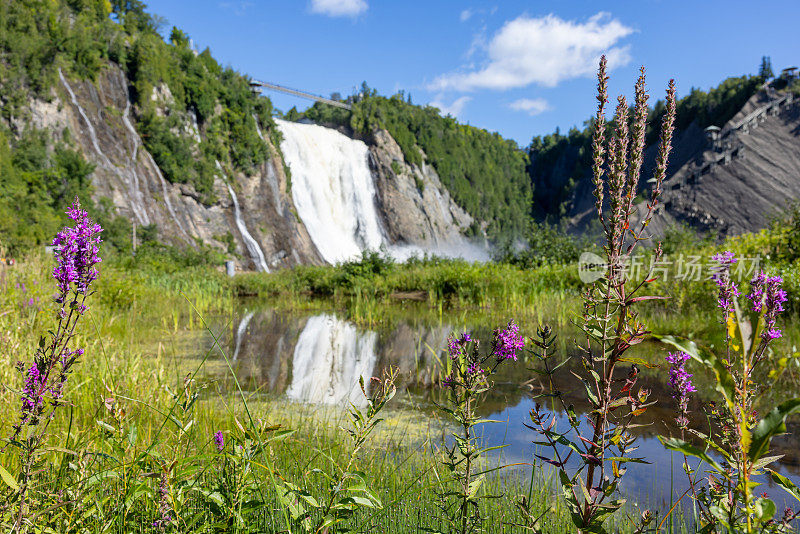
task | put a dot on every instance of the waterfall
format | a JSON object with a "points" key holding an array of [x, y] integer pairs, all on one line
{"points": [[165, 191], [258, 129], [329, 357], [240, 333], [92, 133], [272, 178], [136, 143], [137, 210], [256, 254], [332, 189]]}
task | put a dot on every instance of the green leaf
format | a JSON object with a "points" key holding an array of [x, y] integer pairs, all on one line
{"points": [[773, 423], [725, 382], [9, 479], [785, 483], [98, 477], [132, 435], [689, 449], [763, 462], [363, 501], [765, 509]]}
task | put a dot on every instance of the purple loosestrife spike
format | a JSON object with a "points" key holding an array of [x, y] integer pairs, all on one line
{"points": [[679, 379], [598, 138], [457, 346], [637, 139], [507, 342], [474, 369], [681, 383], [219, 440], [728, 291], [768, 297], [76, 252], [664, 148]]}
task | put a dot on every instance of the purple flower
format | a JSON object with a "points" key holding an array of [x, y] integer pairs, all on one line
{"points": [[474, 369], [76, 253], [219, 440], [681, 383], [507, 342], [768, 297], [163, 504], [722, 277], [32, 391], [457, 346]]}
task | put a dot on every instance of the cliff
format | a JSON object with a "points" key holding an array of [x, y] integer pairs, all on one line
{"points": [[748, 174], [415, 208]]}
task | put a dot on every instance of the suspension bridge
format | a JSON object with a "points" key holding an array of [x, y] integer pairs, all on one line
{"points": [[257, 84]]}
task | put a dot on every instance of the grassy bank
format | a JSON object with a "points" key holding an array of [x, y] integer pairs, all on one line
{"points": [[138, 429], [140, 423]]}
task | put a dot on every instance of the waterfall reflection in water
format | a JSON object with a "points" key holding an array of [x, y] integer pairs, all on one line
{"points": [[329, 358], [319, 358]]}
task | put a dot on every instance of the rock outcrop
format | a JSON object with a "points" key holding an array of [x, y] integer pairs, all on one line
{"points": [[404, 189], [727, 181], [736, 183]]}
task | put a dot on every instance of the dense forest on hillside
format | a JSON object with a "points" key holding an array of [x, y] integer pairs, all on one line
{"points": [[484, 172]]}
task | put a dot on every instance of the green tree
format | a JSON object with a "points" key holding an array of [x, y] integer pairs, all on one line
{"points": [[765, 71]]}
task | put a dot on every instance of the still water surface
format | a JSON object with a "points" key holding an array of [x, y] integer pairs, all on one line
{"points": [[318, 358]]}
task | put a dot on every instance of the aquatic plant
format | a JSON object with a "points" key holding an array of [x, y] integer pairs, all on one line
{"points": [[469, 378], [346, 486]]}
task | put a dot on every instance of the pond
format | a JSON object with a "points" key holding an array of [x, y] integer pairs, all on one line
{"points": [[318, 357]]}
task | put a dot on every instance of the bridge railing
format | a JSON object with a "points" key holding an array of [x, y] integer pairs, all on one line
{"points": [[297, 92]]}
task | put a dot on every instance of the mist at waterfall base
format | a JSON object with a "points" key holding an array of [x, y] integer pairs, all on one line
{"points": [[334, 193], [318, 358]]}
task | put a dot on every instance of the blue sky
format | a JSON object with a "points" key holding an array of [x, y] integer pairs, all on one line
{"points": [[521, 68]]}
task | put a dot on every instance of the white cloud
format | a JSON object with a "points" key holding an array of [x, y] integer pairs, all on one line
{"points": [[545, 51], [453, 109], [465, 15], [531, 106], [339, 8]]}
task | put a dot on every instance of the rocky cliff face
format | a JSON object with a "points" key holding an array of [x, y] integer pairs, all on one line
{"points": [[726, 182], [405, 189], [257, 211], [747, 173]]}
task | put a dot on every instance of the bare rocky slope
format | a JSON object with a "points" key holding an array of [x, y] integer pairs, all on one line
{"points": [[99, 116], [734, 184], [728, 182]]}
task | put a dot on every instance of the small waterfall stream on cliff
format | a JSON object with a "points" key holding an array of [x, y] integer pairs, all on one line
{"points": [[253, 248], [138, 210], [329, 357], [332, 189], [136, 192]]}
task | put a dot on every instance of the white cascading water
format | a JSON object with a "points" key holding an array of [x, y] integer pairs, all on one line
{"points": [[329, 357], [240, 333], [138, 210], [253, 248], [136, 142], [332, 189], [165, 191], [137, 203]]}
